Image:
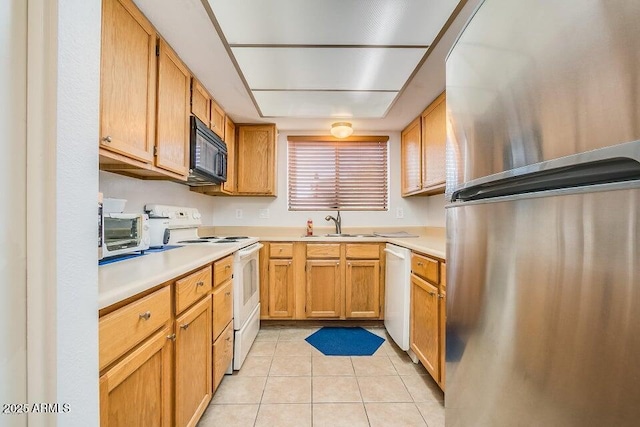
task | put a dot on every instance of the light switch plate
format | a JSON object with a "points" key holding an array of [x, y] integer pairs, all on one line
{"points": [[238, 213], [263, 213], [399, 213]]}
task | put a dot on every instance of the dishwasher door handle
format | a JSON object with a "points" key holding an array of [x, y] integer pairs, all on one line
{"points": [[395, 254]]}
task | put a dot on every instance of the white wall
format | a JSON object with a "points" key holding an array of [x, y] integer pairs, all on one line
{"points": [[415, 209], [139, 192], [436, 210], [76, 281], [13, 286]]}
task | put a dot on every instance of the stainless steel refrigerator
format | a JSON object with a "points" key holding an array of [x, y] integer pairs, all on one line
{"points": [[543, 250]]}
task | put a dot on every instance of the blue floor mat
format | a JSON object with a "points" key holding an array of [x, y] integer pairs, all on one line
{"points": [[335, 341]]}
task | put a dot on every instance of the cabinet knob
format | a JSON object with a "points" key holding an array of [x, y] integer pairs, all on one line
{"points": [[431, 293], [107, 139], [146, 315], [289, 263], [227, 266], [228, 293], [228, 338], [280, 250], [337, 263], [420, 264], [185, 326], [200, 283], [440, 296], [171, 337]]}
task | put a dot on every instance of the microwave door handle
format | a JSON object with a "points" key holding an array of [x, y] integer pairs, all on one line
{"points": [[251, 251]]}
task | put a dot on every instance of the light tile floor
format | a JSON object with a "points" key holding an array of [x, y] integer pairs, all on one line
{"points": [[287, 382]]}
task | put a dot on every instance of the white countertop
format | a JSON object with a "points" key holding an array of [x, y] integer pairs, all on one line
{"points": [[123, 279]]}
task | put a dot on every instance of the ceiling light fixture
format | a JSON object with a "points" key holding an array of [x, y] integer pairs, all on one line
{"points": [[341, 129]]}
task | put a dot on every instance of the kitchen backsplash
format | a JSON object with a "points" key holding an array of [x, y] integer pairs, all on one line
{"points": [[139, 192]]}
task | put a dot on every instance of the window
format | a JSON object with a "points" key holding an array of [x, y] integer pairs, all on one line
{"points": [[328, 174]]}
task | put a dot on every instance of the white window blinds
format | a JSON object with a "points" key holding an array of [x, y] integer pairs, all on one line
{"points": [[345, 175]]}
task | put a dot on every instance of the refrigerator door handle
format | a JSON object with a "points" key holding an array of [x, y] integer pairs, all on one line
{"points": [[602, 166]]}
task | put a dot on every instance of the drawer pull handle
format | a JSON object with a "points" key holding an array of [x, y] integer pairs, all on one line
{"points": [[185, 326], [107, 139], [420, 264], [171, 337], [200, 283], [337, 263], [289, 263], [146, 315], [440, 296], [228, 293], [227, 266], [431, 293], [228, 338], [280, 250]]}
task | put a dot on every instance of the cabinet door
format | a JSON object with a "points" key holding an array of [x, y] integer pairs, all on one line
{"points": [[324, 288], [363, 289], [172, 140], [137, 390], [127, 81], [222, 354], [217, 120], [434, 141], [200, 102], [442, 310], [256, 160], [410, 149], [230, 139], [193, 363], [424, 330], [222, 307], [281, 301]]}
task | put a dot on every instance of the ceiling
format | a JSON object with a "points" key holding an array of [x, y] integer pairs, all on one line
{"points": [[304, 64]]}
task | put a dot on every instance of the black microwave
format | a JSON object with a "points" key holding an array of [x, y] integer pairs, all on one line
{"points": [[208, 158]]}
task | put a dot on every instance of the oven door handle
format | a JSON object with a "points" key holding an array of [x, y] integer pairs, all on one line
{"points": [[253, 249]]}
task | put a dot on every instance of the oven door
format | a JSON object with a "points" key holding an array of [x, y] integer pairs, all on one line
{"points": [[246, 284]]}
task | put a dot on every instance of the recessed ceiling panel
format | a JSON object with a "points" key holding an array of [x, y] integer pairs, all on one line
{"points": [[327, 68], [332, 22], [310, 104]]}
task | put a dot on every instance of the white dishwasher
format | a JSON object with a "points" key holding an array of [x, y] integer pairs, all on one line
{"points": [[397, 294]]}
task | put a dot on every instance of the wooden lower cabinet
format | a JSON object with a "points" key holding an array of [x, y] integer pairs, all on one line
{"points": [[137, 390], [424, 324], [193, 363], [222, 354], [281, 294], [362, 283], [324, 288], [222, 307]]}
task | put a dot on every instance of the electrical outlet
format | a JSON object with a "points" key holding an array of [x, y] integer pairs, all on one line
{"points": [[263, 213], [238, 213], [399, 213]]}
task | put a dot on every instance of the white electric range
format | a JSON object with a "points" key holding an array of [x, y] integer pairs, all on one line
{"points": [[181, 228]]}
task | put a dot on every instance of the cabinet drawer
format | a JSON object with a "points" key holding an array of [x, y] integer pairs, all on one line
{"points": [[191, 288], [122, 329], [425, 268], [362, 251], [222, 270], [327, 250], [222, 307], [281, 250], [222, 354]]}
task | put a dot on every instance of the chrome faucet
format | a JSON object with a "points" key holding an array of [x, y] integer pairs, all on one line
{"points": [[337, 220]]}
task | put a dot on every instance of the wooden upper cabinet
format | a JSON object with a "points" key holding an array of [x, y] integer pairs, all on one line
{"points": [[230, 186], [256, 160], [127, 81], [174, 87], [410, 148], [200, 102], [217, 119], [434, 141]]}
